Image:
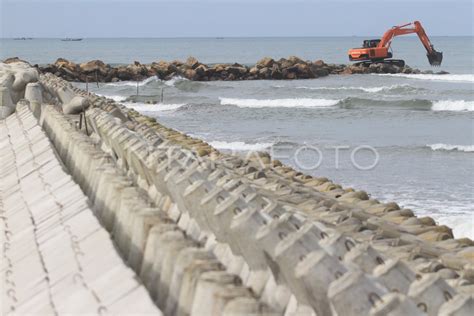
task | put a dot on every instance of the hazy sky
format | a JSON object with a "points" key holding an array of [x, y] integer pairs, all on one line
{"points": [[181, 18]]}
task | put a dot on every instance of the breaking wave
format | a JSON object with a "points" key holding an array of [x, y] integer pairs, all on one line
{"points": [[240, 146], [445, 147], [160, 107], [173, 82], [116, 98], [447, 77], [453, 105], [392, 88], [133, 83], [297, 102]]}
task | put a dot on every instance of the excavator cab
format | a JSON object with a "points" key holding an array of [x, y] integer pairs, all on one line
{"points": [[370, 43]]}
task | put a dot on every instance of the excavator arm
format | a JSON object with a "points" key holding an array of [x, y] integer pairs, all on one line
{"points": [[434, 57]]}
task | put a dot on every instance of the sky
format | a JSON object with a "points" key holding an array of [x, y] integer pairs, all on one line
{"points": [[228, 18]]}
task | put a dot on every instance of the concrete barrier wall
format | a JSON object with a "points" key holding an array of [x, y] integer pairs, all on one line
{"points": [[56, 257]]}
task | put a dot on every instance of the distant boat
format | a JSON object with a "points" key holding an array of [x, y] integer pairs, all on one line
{"points": [[71, 39], [22, 38]]}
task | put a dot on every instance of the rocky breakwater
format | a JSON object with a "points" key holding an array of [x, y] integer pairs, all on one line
{"points": [[266, 68]]}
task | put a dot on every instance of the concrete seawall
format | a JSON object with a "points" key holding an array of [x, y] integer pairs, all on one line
{"points": [[214, 234]]}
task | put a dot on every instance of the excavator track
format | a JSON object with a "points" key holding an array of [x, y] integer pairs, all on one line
{"points": [[392, 62]]}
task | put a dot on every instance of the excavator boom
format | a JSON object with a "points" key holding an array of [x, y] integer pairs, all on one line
{"points": [[377, 50]]}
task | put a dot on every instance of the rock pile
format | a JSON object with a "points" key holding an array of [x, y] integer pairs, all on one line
{"points": [[266, 68]]}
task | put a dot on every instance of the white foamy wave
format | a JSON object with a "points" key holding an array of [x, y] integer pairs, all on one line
{"points": [[461, 224], [298, 102], [174, 80], [169, 83], [160, 107], [453, 105], [446, 147], [133, 83], [447, 77], [240, 146], [116, 98], [365, 89]]}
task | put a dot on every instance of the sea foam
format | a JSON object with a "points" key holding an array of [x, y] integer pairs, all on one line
{"points": [[447, 147], [240, 146], [160, 107], [297, 102], [170, 83], [453, 105], [116, 98], [364, 89]]}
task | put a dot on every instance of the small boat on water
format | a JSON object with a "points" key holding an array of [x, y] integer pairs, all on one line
{"points": [[71, 39]]}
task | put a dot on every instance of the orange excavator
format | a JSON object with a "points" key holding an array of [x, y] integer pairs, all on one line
{"points": [[377, 50]]}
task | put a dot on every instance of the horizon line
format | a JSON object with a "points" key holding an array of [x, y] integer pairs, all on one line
{"points": [[217, 37]]}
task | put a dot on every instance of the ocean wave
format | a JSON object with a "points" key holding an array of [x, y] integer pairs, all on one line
{"points": [[173, 81], [170, 83], [297, 102], [446, 77], [134, 83], [453, 105], [159, 107], [446, 147], [392, 88], [240, 146], [116, 98]]}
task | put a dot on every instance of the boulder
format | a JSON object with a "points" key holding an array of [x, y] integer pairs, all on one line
{"points": [[123, 73], [190, 74], [302, 70], [66, 64], [319, 63], [237, 70], [163, 68], [253, 71], [290, 75], [202, 71], [264, 73], [137, 70], [319, 71], [94, 66], [265, 62], [295, 60], [192, 62], [276, 72], [285, 63]]}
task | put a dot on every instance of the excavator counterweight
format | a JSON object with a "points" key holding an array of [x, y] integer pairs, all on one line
{"points": [[377, 50]]}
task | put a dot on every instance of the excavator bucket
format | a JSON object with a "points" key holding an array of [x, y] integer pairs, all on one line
{"points": [[435, 58]]}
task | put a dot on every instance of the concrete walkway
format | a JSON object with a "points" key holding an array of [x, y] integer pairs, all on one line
{"points": [[55, 256]]}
